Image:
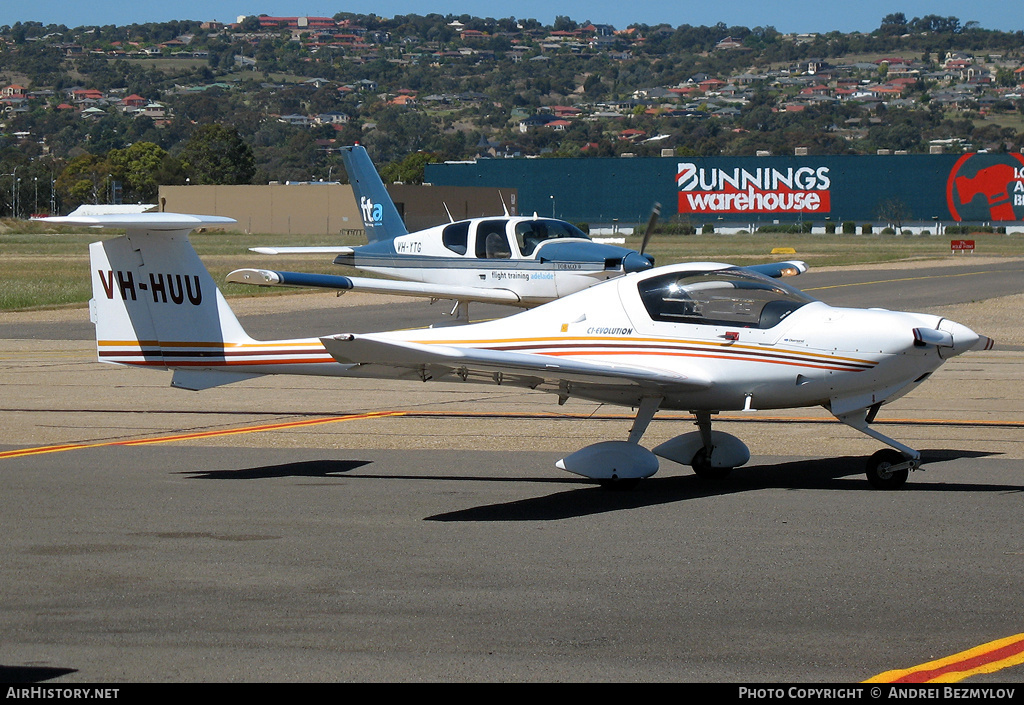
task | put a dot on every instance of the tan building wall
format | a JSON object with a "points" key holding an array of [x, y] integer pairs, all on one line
{"points": [[328, 209], [316, 209]]}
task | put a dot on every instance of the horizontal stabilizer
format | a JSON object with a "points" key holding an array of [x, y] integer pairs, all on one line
{"points": [[143, 221]]}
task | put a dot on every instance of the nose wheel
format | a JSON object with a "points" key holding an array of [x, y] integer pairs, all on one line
{"points": [[888, 469]]}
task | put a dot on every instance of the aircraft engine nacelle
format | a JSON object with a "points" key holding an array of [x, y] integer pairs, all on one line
{"points": [[611, 460], [728, 450]]}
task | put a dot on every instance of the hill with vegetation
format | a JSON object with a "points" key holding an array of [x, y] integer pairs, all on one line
{"points": [[107, 114]]}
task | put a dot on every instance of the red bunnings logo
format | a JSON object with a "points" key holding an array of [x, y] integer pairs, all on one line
{"points": [[987, 187], [762, 190]]}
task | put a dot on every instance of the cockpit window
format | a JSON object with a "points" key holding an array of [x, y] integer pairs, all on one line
{"points": [[456, 237], [723, 297], [530, 233]]}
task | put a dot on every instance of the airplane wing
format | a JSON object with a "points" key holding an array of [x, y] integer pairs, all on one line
{"points": [[554, 374], [777, 270], [267, 277], [337, 250]]}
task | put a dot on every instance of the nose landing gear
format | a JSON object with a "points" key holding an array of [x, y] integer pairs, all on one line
{"points": [[888, 468]]}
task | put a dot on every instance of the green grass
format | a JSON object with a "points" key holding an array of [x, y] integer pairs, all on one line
{"points": [[40, 269], [820, 250], [1014, 120], [44, 267]]}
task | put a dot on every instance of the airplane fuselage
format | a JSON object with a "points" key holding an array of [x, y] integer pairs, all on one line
{"points": [[815, 355], [539, 259], [735, 341]]}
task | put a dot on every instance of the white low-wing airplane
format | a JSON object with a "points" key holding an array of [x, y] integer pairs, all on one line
{"points": [[514, 260], [697, 337]]}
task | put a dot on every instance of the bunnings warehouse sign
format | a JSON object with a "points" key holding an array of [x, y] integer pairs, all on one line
{"points": [[714, 190], [865, 189], [969, 187]]}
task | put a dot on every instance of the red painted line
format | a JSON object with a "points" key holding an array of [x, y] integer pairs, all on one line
{"points": [[968, 664], [987, 658]]}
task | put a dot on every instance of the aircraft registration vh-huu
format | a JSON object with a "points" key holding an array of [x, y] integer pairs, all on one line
{"points": [[697, 337], [519, 261]]}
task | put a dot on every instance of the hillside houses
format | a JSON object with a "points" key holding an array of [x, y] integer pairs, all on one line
{"points": [[87, 102], [442, 84], [961, 82]]}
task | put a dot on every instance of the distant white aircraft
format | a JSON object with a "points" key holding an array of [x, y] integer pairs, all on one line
{"points": [[697, 337], [516, 260]]}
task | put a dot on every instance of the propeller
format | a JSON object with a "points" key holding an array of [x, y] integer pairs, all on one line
{"points": [[638, 262], [655, 212]]}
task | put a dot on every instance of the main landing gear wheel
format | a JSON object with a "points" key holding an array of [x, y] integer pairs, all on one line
{"points": [[620, 484], [880, 472], [702, 468]]}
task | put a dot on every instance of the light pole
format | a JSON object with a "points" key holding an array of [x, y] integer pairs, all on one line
{"points": [[14, 192]]}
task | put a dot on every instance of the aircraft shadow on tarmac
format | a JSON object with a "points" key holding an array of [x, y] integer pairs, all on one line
{"points": [[31, 674], [842, 473], [309, 468], [585, 498]]}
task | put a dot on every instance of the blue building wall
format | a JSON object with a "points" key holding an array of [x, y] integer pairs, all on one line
{"points": [[757, 190]]}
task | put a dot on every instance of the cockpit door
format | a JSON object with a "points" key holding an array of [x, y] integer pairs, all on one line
{"points": [[492, 240]]}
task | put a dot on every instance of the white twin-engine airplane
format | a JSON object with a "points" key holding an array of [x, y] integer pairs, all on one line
{"points": [[514, 260], [697, 337]]}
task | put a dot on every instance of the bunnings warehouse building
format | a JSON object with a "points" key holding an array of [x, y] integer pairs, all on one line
{"points": [[916, 192]]}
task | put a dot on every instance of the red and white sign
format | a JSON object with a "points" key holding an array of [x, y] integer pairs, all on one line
{"points": [[762, 190], [987, 187], [961, 245]]}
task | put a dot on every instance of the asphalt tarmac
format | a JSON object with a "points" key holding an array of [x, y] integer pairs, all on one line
{"points": [[303, 530]]}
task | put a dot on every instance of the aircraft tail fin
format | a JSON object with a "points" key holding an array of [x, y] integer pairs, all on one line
{"points": [[154, 303], [380, 216]]}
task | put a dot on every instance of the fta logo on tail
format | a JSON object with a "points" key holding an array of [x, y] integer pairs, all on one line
{"points": [[987, 187], [373, 213]]}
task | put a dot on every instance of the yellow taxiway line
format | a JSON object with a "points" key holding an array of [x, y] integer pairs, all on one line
{"points": [[22, 452], [553, 416]]}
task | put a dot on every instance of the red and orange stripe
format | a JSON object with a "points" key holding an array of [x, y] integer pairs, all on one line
{"points": [[987, 658]]}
